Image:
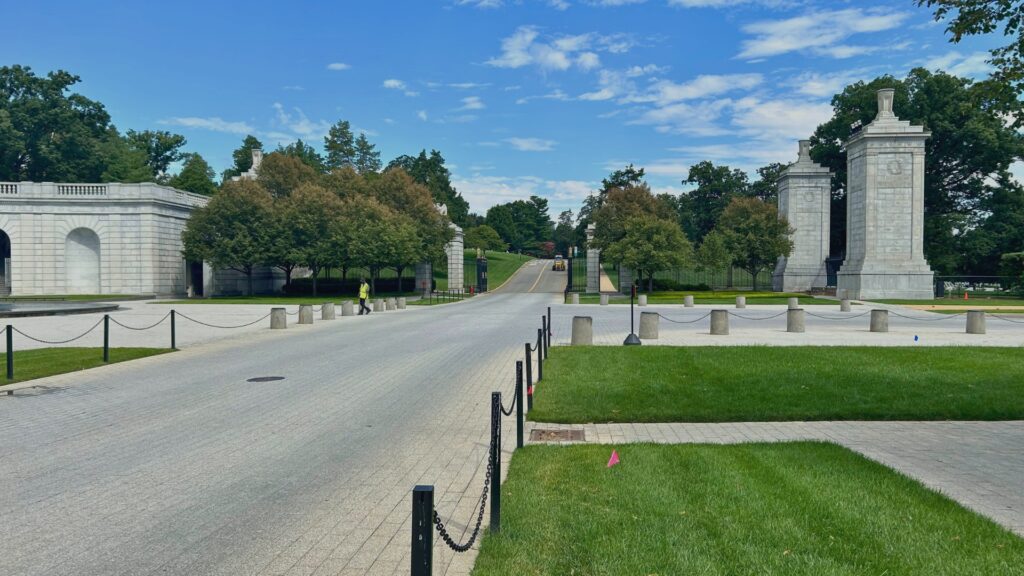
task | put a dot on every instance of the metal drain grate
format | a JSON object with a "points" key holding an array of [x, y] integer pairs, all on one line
{"points": [[265, 379], [538, 435]]}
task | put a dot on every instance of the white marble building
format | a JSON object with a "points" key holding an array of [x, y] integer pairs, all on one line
{"points": [[805, 202]]}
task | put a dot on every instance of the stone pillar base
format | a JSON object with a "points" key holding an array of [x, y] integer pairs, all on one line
{"points": [[882, 285]]}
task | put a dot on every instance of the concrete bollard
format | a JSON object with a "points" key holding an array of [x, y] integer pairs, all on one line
{"points": [[741, 301], [327, 311], [975, 321], [575, 298], [641, 300], [879, 320], [278, 319], [795, 320], [604, 299], [844, 305], [305, 314], [688, 301], [348, 308], [794, 303], [401, 303], [378, 305], [720, 322], [391, 304], [582, 331], [649, 325]]}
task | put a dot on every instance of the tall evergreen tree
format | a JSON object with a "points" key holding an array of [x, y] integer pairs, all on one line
{"points": [[367, 157], [339, 145], [196, 176]]}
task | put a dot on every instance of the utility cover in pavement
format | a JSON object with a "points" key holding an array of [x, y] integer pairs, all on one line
{"points": [[265, 379], [537, 435]]}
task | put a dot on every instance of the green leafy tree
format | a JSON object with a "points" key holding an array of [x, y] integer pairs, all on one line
{"points": [[161, 148], [339, 146], [622, 205], [367, 158], [754, 234], [397, 191], [305, 153], [716, 186], [232, 231], [281, 173], [377, 238], [1000, 230], [713, 253], [122, 162], [766, 187], [485, 238], [195, 176], [650, 245], [565, 233], [1012, 266], [242, 157], [522, 224], [314, 221], [432, 173]]}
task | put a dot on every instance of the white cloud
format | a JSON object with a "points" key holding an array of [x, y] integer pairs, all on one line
{"points": [[472, 103], [396, 84], [820, 32], [296, 122], [974, 65], [556, 94], [647, 70], [422, 115], [523, 48], [558, 4], [480, 3], [338, 66], [531, 144], [588, 60], [696, 119], [614, 2], [469, 85], [482, 192], [825, 85], [779, 119], [703, 86], [293, 88], [214, 124]]}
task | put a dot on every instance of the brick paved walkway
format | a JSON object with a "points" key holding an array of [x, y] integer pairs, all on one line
{"points": [[979, 464]]}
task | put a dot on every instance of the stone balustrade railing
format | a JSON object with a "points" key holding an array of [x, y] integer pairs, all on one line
{"points": [[111, 191]]}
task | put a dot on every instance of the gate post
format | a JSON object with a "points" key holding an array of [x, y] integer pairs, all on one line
{"points": [[422, 531]]}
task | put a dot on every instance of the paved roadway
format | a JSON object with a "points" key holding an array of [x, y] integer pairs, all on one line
{"points": [[177, 465]]}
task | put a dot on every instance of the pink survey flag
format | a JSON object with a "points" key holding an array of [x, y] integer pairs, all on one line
{"points": [[614, 459]]}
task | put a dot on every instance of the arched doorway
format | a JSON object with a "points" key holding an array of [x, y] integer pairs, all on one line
{"points": [[5, 264], [82, 261]]}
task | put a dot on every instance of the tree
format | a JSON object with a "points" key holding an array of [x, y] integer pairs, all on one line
{"points": [[650, 245], [523, 224], [974, 17], [377, 238], [281, 173], [622, 205], [970, 147], [123, 162], [754, 235], [999, 231], [48, 134], [565, 233], [485, 238], [305, 153], [313, 217], [161, 148], [716, 187], [242, 157], [367, 158], [713, 254], [766, 187], [232, 231], [1012, 266], [195, 176], [432, 173], [628, 176], [338, 144]]}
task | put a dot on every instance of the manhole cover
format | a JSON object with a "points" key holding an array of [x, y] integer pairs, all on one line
{"points": [[265, 379], [537, 435]]}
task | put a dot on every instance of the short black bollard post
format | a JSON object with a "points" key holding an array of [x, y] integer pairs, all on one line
{"points": [[519, 404], [10, 352], [529, 378], [106, 338], [174, 345], [495, 462], [422, 531], [540, 356], [550, 332], [544, 334]]}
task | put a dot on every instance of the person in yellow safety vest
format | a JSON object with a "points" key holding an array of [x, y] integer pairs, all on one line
{"points": [[364, 293]]}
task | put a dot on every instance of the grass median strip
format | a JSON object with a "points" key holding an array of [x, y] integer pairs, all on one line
{"points": [[799, 508], [717, 297], [43, 362], [759, 383]]}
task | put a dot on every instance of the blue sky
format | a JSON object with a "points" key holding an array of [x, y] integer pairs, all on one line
{"points": [[521, 96]]}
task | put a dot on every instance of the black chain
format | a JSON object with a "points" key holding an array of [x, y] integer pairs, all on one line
{"points": [[224, 327], [838, 317], [439, 526], [154, 325], [684, 321], [923, 319], [754, 318], [1021, 321], [41, 341], [515, 399]]}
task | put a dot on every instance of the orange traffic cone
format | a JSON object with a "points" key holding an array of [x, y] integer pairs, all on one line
{"points": [[965, 295]]}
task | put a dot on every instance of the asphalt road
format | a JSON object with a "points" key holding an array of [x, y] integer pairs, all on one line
{"points": [[536, 276]]}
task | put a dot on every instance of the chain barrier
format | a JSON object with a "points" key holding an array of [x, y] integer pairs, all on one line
{"points": [[923, 319], [1021, 321], [440, 527], [865, 313], [158, 322], [41, 341], [224, 327], [512, 407], [663, 317], [731, 313]]}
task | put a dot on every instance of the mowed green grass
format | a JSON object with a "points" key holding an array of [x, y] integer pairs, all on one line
{"points": [[760, 383], [32, 364], [973, 300], [715, 297], [805, 509]]}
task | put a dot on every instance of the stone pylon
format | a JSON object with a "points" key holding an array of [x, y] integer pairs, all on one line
{"points": [[593, 263], [885, 210], [805, 202], [456, 266]]}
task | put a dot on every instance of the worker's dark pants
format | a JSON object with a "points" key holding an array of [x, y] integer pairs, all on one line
{"points": [[363, 307]]}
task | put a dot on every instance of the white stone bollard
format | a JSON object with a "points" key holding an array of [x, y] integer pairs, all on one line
{"points": [[604, 299], [305, 314], [741, 301], [720, 322], [879, 320], [582, 331], [649, 325], [348, 308], [575, 298], [975, 321], [688, 301], [327, 311], [795, 320], [401, 303], [278, 319], [641, 300], [844, 305], [378, 305], [391, 304], [794, 303]]}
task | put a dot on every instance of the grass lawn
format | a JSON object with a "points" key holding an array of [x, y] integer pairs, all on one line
{"points": [[763, 384], [768, 509], [32, 364], [715, 297], [974, 300]]}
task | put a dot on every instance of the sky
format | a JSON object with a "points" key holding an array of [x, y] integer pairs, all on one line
{"points": [[521, 97]]}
